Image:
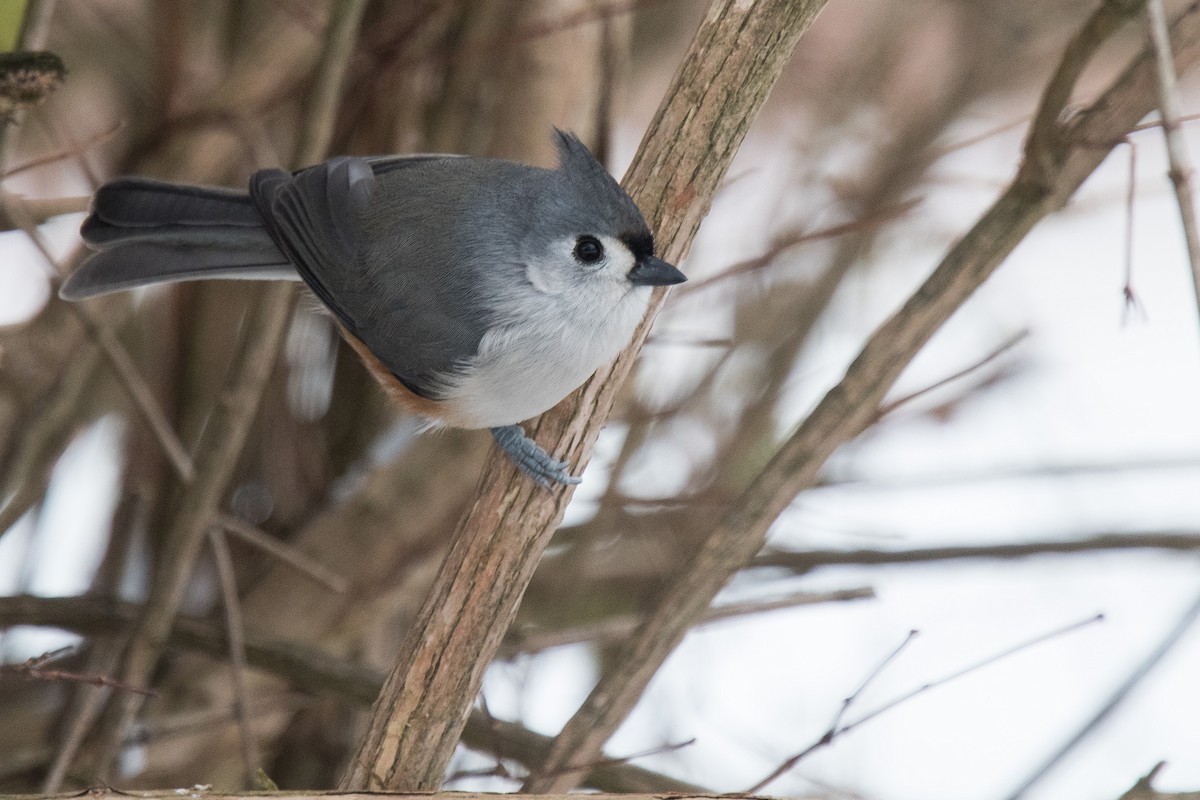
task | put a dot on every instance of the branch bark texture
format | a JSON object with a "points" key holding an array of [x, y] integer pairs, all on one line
{"points": [[736, 57]]}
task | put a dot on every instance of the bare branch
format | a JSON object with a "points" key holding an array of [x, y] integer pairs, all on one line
{"points": [[1144, 788], [236, 633], [282, 551], [837, 729], [615, 629], [135, 386], [892, 405], [226, 433], [1180, 171], [1052, 169], [790, 240], [735, 58], [36, 669], [80, 721], [1173, 637], [803, 561], [315, 671]]}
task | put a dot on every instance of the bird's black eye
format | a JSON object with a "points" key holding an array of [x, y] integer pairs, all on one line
{"points": [[588, 249]]}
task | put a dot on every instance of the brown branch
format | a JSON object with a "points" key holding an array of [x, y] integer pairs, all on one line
{"points": [[315, 671], [1052, 169], [36, 669], [19, 212], [803, 561], [996, 473], [890, 406], [63, 154], [226, 432], [134, 384], [283, 552], [51, 422], [786, 241], [1180, 165], [735, 59], [1144, 788], [215, 461], [236, 633], [79, 720], [617, 628]]}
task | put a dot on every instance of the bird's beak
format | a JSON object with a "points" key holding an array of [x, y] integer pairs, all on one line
{"points": [[651, 271]]}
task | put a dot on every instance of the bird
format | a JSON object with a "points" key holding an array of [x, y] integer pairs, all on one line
{"points": [[479, 292]]}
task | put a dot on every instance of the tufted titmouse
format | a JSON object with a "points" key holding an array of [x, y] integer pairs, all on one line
{"points": [[479, 292]]}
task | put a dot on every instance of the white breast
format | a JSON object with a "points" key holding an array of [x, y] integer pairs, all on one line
{"points": [[525, 367]]}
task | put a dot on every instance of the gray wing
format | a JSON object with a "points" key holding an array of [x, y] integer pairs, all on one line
{"points": [[357, 244]]}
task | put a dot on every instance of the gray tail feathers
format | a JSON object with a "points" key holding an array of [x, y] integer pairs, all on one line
{"points": [[147, 232]]}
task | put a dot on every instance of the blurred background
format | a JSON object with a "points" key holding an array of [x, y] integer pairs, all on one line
{"points": [[1052, 478]]}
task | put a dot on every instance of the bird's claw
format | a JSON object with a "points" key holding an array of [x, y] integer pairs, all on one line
{"points": [[531, 459]]}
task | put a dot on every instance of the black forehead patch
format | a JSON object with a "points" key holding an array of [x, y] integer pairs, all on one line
{"points": [[641, 244]]}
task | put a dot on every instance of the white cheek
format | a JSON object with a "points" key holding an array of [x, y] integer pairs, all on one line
{"points": [[618, 259], [562, 272]]}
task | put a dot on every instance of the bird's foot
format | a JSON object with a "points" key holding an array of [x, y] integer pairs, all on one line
{"points": [[531, 458]]}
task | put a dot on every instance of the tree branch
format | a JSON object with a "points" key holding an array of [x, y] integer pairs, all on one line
{"points": [[735, 59], [1058, 157], [314, 670], [1180, 171], [805, 560], [226, 433]]}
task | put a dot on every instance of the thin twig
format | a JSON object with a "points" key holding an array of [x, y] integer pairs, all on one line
{"points": [[35, 669], [892, 405], [128, 376], [967, 670], [83, 716], [803, 561], [134, 384], [1173, 637], [313, 671], [527, 642], [282, 551], [834, 732], [237, 651], [835, 727], [62, 155], [322, 106], [875, 673], [1156, 124], [996, 473], [1180, 171], [616, 760], [20, 212], [1131, 301], [790, 240]]}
